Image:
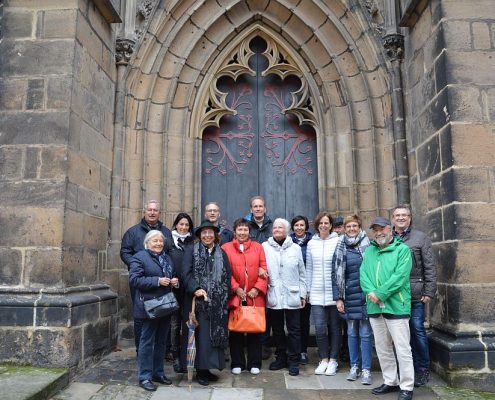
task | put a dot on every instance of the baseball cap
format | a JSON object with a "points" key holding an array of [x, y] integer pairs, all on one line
{"points": [[381, 221]]}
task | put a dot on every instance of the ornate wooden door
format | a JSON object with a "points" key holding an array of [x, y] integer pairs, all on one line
{"points": [[260, 147]]}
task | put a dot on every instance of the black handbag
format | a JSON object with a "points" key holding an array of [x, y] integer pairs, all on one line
{"points": [[161, 306]]}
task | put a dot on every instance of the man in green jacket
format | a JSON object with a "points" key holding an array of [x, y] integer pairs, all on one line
{"points": [[384, 278]]}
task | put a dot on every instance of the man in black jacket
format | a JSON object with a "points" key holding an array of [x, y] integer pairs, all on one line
{"points": [[133, 241], [212, 214], [423, 282], [260, 228]]}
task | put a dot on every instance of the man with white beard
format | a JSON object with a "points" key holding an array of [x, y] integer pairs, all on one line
{"points": [[384, 276]]}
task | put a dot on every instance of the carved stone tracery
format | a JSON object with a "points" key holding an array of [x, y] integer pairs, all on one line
{"points": [[279, 63]]}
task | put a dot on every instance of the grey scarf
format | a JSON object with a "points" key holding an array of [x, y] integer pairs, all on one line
{"points": [[360, 241]]}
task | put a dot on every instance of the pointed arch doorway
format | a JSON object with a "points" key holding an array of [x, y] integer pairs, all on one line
{"points": [[259, 137]]}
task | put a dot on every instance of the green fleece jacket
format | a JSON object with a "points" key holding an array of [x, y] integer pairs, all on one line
{"points": [[386, 272]]}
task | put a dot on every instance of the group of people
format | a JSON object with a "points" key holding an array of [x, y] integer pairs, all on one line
{"points": [[378, 287]]}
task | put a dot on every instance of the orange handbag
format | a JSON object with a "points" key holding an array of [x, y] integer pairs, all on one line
{"points": [[247, 319]]}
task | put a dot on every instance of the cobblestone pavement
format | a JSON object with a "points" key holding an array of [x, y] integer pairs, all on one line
{"points": [[115, 378]]}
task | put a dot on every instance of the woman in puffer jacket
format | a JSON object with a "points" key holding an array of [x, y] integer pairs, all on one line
{"points": [[351, 301], [286, 295], [323, 309]]}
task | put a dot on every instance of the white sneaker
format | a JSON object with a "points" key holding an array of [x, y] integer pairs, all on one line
{"points": [[321, 368], [353, 373], [236, 371], [255, 371], [332, 368], [366, 377]]}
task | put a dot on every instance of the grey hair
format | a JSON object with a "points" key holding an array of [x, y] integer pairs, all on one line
{"points": [[284, 222], [151, 234], [152, 202]]}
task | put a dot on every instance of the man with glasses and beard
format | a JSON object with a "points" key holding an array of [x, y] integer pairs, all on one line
{"points": [[384, 279]]}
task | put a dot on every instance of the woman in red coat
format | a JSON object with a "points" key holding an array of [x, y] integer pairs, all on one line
{"points": [[249, 283]]}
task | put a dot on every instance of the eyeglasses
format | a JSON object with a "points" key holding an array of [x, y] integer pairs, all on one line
{"points": [[212, 210]]}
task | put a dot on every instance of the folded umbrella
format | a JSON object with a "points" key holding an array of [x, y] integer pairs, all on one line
{"points": [[192, 323]]}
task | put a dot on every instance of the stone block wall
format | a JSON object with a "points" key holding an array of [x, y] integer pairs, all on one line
{"points": [[57, 79], [449, 64]]}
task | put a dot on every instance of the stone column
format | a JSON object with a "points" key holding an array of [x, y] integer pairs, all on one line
{"points": [[393, 41], [57, 82], [449, 64]]}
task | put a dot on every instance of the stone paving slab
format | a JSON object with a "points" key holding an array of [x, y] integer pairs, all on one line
{"points": [[115, 378], [237, 394], [20, 383], [78, 391], [176, 393], [338, 381]]}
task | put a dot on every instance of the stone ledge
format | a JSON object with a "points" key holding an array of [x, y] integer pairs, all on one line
{"points": [[66, 307], [464, 358], [32, 383]]}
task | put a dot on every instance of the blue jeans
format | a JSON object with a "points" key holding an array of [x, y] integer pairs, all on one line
{"points": [[419, 339], [359, 330], [324, 316], [152, 347]]}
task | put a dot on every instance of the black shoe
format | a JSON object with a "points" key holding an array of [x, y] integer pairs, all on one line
{"points": [[405, 395], [162, 379], [178, 369], [279, 363], [421, 378], [266, 353], [304, 358], [293, 371], [211, 377], [203, 381], [383, 389], [202, 377], [147, 385]]}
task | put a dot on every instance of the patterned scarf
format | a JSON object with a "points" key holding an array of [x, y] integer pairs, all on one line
{"points": [[164, 264], [360, 241], [211, 275]]}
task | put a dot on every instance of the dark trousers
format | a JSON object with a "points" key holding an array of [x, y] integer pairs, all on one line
{"points": [[152, 347], [237, 355], [287, 346], [305, 314]]}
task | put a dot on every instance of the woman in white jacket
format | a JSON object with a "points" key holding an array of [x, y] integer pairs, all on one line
{"points": [[286, 295], [323, 308]]}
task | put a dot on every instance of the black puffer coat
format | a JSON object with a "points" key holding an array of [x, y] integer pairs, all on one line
{"points": [[355, 300]]}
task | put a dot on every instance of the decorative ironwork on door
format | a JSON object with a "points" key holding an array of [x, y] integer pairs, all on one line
{"points": [[258, 134]]}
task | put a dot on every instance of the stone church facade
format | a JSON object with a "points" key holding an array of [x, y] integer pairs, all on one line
{"points": [[104, 103]]}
